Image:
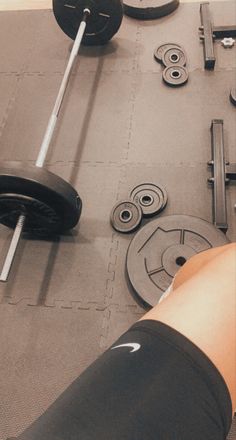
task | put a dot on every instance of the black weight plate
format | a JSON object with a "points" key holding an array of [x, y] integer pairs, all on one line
{"points": [[174, 55], [175, 75], [149, 9], [150, 197], [159, 51], [104, 21], [51, 205], [126, 216], [163, 245], [233, 96]]}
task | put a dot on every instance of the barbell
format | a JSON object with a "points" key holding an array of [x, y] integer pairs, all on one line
{"points": [[32, 199]]}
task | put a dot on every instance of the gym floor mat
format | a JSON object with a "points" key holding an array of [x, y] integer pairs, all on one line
{"points": [[67, 300]]}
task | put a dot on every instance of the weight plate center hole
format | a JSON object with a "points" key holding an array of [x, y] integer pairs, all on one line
{"points": [[174, 58], [126, 215], [146, 200], [175, 74], [180, 261]]}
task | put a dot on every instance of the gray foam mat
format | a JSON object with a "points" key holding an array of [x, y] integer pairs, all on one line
{"points": [[97, 105], [67, 300], [39, 345]]}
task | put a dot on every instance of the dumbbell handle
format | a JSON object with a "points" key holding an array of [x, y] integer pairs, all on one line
{"points": [[56, 109], [46, 141]]}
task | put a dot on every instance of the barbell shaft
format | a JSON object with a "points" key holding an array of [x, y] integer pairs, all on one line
{"points": [[46, 141], [56, 109], [12, 249]]}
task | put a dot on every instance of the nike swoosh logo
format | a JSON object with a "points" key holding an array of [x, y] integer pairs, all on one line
{"points": [[133, 345]]}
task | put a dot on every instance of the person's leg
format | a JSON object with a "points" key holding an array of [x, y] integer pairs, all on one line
{"points": [[202, 307], [196, 263], [189, 269], [154, 382]]}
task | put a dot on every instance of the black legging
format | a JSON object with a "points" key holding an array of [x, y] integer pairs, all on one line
{"points": [[152, 384]]}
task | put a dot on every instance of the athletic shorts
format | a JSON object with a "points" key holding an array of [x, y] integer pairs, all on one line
{"points": [[152, 384]]}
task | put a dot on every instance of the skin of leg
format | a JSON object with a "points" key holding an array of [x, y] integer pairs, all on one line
{"points": [[203, 308], [196, 263]]}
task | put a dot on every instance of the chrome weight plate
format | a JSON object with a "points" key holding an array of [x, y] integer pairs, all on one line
{"points": [[126, 216], [175, 75], [151, 198], [161, 247]]}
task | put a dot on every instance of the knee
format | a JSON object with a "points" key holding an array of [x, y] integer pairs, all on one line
{"points": [[229, 249], [225, 261]]}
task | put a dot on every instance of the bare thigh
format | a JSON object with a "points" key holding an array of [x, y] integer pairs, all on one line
{"points": [[203, 308]]}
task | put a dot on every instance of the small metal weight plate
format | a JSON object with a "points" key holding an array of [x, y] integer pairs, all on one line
{"points": [[161, 247], [174, 55], [149, 9], [175, 76], [159, 51], [152, 198], [126, 216], [104, 21]]}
